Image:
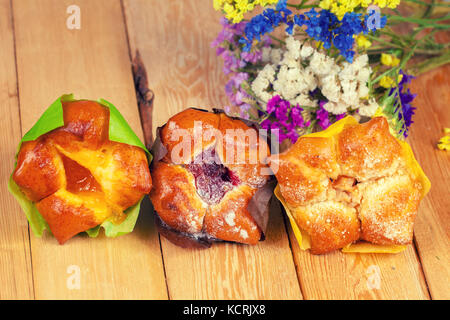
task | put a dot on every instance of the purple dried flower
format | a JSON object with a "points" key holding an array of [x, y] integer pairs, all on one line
{"points": [[244, 110], [284, 117], [266, 124], [296, 115], [322, 116], [272, 103], [235, 61]]}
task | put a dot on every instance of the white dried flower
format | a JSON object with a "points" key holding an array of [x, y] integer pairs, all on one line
{"points": [[364, 74], [262, 82], [330, 88], [344, 84], [304, 100], [293, 48], [350, 94], [321, 64], [266, 52], [369, 109], [275, 56], [306, 51], [335, 108], [363, 91]]}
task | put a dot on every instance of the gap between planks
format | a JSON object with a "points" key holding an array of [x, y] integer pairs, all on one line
{"points": [[131, 59]]}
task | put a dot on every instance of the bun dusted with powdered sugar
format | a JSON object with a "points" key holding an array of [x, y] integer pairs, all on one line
{"points": [[360, 183], [204, 191]]}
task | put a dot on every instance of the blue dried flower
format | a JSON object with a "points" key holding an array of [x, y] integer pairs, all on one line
{"points": [[264, 23], [404, 109]]}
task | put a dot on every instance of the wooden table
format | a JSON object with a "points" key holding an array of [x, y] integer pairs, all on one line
{"points": [[40, 58]]}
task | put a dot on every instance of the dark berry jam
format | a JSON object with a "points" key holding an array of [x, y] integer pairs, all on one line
{"points": [[212, 179]]}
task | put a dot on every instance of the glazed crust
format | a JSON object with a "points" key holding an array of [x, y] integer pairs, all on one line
{"points": [[177, 195], [175, 199], [230, 220], [87, 120], [120, 169], [77, 177], [68, 214], [330, 224], [39, 171], [354, 185], [242, 151], [299, 183], [367, 151], [182, 126], [388, 209]]}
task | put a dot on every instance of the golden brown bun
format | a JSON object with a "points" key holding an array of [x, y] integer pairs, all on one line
{"points": [[77, 177], [367, 151], [207, 200], [388, 208], [175, 199], [68, 214], [354, 185], [185, 121], [39, 171], [330, 224], [230, 220], [242, 154]]}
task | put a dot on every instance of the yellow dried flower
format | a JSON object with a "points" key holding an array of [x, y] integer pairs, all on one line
{"points": [[444, 142], [341, 7], [387, 82], [393, 3], [389, 60], [380, 3], [362, 42], [235, 9]]}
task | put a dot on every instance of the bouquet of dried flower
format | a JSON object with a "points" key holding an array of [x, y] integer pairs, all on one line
{"points": [[300, 67]]}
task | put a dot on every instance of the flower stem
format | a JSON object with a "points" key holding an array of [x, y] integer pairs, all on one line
{"points": [[431, 63], [276, 39], [427, 23], [434, 4], [302, 5]]}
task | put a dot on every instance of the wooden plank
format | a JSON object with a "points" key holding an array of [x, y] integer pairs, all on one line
{"points": [[359, 276], [432, 229], [15, 258], [174, 39], [92, 62]]}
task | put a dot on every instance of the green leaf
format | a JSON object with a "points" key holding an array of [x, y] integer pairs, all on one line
{"points": [[119, 131], [114, 230], [37, 222]]}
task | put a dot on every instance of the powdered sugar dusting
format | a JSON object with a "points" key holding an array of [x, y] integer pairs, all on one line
{"points": [[229, 218]]}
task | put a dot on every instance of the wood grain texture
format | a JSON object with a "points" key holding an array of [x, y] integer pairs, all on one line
{"points": [[173, 38], [432, 229], [92, 62], [15, 259], [359, 276]]}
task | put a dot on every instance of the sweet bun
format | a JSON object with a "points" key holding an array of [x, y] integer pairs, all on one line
{"points": [[357, 184], [77, 177], [201, 193]]}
